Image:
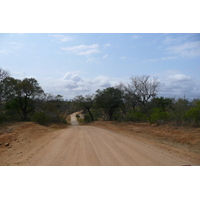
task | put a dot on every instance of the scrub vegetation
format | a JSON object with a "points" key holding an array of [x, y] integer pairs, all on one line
{"points": [[136, 101], [25, 100]]}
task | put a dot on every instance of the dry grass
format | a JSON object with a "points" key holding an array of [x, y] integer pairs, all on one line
{"points": [[186, 137], [24, 131]]}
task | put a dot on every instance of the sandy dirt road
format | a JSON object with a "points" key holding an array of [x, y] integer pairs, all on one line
{"points": [[74, 121], [90, 146]]}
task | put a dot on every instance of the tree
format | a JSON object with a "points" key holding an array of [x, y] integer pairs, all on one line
{"points": [[86, 103], [128, 97], [20, 95], [143, 89], [160, 102], [109, 99], [53, 106], [178, 111], [3, 75], [193, 114]]}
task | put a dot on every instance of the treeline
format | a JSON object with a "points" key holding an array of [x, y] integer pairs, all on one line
{"points": [[25, 100], [137, 101]]}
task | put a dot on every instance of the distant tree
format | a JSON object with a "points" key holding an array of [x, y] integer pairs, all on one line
{"points": [[143, 89], [52, 106], [161, 103], [139, 91], [86, 103], [178, 111], [20, 95], [109, 100], [3, 75], [193, 114], [128, 96]]}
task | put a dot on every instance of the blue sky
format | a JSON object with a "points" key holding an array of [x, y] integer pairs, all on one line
{"points": [[73, 64]]}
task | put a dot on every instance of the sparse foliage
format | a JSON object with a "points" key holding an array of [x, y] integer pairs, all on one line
{"points": [[143, 88], [86, 103]]}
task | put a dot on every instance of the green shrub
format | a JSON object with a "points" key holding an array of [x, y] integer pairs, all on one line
{"points": [[118, 117], [87, 118], [177, 113], [41, 118], [158, 115], [81, 120], [77, 116], [193, 114], [136, 116]]}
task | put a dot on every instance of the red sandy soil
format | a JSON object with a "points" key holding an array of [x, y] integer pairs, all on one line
{"points": [[97, 144]]}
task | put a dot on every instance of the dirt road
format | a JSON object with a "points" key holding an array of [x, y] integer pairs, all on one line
{"points": [[89, 146], [74, 121]]}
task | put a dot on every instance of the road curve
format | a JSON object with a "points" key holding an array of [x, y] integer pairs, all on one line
{"points": [[74, 121], [92, 146]]}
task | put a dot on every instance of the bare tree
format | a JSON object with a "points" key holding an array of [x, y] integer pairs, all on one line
{"points": [[139, 91], [3, 74], [143, 88]]}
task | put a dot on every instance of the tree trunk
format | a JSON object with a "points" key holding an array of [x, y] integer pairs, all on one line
{"points": [[92, 118]]}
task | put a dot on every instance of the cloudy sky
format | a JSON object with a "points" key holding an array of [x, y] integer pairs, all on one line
{"points": [[74, 64]]}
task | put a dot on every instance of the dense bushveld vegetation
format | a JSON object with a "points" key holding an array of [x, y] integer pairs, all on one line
{"points": [[137, 101], [25, 100]]}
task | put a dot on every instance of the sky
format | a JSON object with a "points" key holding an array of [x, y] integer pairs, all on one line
{"points": [[73, 64]]}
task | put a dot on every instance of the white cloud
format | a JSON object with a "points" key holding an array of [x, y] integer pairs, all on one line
{"points": [[179, 78], [163, 58], [82, 49], [16, 45], [5, 51], [72, 84], [19, 75], [101, 81], [105, 56], [123, 57], [72, 76], [170, 40], [188, 49], [177, 85], [107, 45], [88, 52], [135, 37], [62, 38], [168, 58], [153, 60], [11, 48]]}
